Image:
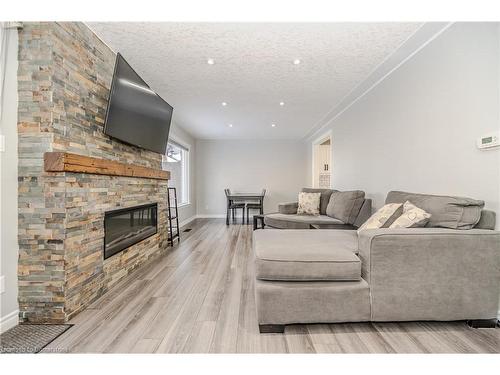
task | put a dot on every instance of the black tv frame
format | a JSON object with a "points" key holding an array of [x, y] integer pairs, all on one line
{"points": [[111, 91]]}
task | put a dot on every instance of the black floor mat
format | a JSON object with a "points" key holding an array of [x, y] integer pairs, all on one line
{"points": [[30, 338]]}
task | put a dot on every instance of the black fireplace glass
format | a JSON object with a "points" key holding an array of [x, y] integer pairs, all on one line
{"points": [[126, 227]]}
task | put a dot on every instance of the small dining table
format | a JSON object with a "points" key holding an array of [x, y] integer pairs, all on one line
{"points": [[244, 197]]}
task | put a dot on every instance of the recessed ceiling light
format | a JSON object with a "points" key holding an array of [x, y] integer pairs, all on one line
{"points": [[210, 61], [282, 104], [230, 125], [224, 104], [296, 62], [273, 125]]}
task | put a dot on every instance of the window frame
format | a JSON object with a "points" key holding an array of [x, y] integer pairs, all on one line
{"points": [[186, 151]]}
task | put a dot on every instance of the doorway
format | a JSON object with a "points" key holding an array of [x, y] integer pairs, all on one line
{"points": [[322, 162]]}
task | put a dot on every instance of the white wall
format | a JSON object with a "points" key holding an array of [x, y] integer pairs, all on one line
{"points": [[187, 212], [416, 130], [248, 166], [8, 187]]}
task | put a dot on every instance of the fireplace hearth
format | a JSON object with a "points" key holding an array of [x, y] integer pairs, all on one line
{"points": [[128, 226]]}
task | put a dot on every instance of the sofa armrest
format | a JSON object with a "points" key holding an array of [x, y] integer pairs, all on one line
{"points": [[424, 241], [289, 208], [431, 273]]}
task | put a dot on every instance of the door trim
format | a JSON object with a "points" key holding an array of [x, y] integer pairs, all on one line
{"points": [[317, 141]]}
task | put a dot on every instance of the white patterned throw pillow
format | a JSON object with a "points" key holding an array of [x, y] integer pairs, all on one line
{"points": [[309, 203], [412, 217], [385, 215]]}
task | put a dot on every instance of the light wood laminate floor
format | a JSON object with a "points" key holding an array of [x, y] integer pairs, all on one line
{"points": [[199, 298]]}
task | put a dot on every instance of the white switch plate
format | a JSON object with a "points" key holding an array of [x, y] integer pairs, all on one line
{"points": [[2, 143], [2, 284]]}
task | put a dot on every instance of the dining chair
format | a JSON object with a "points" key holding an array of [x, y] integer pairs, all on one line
{"points": [[232, 206], [256, 206]]}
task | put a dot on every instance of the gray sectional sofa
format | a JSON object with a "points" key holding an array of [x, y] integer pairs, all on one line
{"points": [[448, 270], [352, 212]]}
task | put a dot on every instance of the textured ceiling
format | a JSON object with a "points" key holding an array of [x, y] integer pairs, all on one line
{"points": [[253, 70]]}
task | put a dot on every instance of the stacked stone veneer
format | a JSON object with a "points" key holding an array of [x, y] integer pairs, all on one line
{"points": [[64, 75]]}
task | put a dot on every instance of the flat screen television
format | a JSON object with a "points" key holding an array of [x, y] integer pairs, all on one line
{"points": [[136, 114]]}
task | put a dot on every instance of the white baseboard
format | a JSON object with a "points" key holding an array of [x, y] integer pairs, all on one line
{"points": [[187, 221], [217, 216], [212, 216], [8, 321], [202, 216]]}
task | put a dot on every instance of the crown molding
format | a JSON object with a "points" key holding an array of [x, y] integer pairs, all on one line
{"points": [[410, 47]]}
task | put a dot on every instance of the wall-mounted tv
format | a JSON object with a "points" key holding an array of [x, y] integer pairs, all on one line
{"points": [[136, 114]]}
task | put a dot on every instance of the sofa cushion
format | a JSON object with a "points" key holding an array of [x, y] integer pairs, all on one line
{"points": [[306, 255], [345, 205], [308, 204], [325, 197], [364, 213], [285, 221], [446, 211], [412, 217], [289, 208], [487, 220]]}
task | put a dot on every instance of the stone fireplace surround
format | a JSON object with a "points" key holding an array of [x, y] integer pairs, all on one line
{"points": [[64, 77]]}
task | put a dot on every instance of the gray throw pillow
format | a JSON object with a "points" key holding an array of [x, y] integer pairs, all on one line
{"points": [[345, 205]]}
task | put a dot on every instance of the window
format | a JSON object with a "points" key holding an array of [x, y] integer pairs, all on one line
{"points": [[177, 162]]}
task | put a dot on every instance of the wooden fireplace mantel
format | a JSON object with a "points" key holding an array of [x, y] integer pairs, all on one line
{"points": [[67, 162]]}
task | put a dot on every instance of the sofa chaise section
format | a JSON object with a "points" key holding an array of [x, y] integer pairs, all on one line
{"points": [[300, 280], [287, 217]]}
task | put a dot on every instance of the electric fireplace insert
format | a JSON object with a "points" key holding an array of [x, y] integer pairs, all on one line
{"points": [[128, 226]]}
